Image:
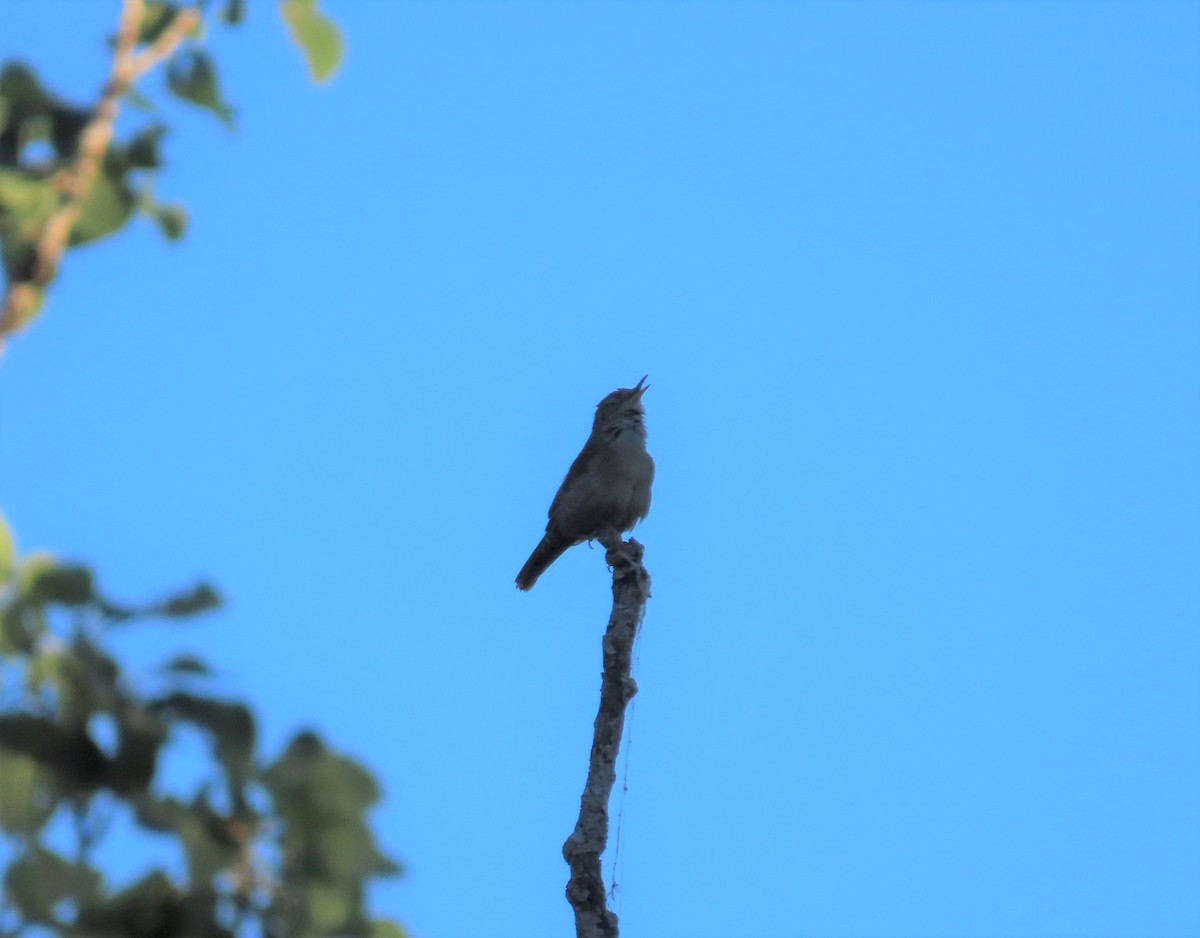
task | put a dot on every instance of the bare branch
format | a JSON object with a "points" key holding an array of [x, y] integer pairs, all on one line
{"points": [[582, 850]]}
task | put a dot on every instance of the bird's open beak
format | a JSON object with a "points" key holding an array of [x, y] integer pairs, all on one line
{"points": [[641, 387]]}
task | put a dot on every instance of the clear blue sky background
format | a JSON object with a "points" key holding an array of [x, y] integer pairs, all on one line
{"points": [[917, 287]]}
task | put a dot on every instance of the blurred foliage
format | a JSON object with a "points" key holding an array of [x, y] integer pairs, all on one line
{"points": [[40, 135], [280, 848]]}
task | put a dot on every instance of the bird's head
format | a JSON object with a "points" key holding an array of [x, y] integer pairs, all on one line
{"points": [[622, 409]]}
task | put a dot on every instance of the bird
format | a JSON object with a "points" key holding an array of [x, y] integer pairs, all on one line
{"points": [[607, 489]]}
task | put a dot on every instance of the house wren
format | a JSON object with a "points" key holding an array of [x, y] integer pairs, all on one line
{"points": [[607, 488]]}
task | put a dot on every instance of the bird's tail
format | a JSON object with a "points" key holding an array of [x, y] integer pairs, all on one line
{"points": [[549, 549]]}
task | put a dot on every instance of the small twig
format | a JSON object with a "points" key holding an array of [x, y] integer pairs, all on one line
{"points": [[614, 886], [582, 850], [21, 297]]}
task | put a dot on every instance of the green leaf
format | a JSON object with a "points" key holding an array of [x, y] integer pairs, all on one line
{"points": [[76, 761], [68, 584], [231, 726], [316, 35], [172, 219], [199, 599], [21, 622], [205, 833], [33, 565], [310, 777], [142, 150], [108, 205], [22, 100], [46, 664], [156, 17], [8, 550], [321, 798], [233, 12], [24, 103], [26, 201], [150, 907], [142, 734], [331, 907], [191, 75], [27, 798], [86, 681], [66, 128], [136, 99], [28, 112], [41, 879], [347, 851], [187, 664], [386, 928], [19, 85]]}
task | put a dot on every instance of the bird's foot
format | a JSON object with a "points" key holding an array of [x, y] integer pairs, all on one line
{"points": [[625, 558]]}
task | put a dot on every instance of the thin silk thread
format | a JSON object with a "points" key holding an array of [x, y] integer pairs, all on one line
{"points": [[614, 889]]}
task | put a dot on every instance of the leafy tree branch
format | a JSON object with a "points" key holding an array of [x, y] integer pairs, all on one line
{"points": [[92, 185], [270, 847], [279, 848]]}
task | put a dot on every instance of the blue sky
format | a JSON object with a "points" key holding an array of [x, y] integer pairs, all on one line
{"points": [[917, 287]]}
